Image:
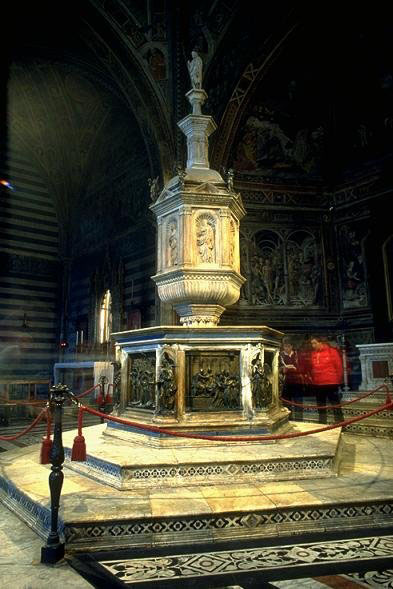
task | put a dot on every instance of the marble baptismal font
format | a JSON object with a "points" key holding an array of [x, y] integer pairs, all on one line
{"points": [[198, 376]]}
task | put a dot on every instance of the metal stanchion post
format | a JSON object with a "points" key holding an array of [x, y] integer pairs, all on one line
{"points": [[103, 381], [53, 551]]}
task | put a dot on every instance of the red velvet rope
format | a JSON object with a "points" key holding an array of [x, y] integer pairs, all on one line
{"points": [[382, 386], [260, 438], [48, 423], [88, 391], [21, 402], [80, 420], [25, 431], [38, 403]]}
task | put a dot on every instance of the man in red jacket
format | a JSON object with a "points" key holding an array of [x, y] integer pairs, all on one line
{"points": [[326, 369]]}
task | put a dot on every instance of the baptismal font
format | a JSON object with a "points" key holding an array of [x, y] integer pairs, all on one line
{"points": [[199, 376]]}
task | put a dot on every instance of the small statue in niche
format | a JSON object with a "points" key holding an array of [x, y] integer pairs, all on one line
{"points": [[195, 70], [172, 242], [206, 241], [180, 172], [154, 189], [230, 176], [116, 382], [261, 386], [166, 386], [232, 243]]}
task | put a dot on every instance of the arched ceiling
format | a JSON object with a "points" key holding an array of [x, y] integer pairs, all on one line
{"points": [[314, 101], [299, 92], [78, 103]]}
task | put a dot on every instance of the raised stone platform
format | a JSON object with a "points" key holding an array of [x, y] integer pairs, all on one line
{"points": [[127, 465], [97, 516], [379, 425]]}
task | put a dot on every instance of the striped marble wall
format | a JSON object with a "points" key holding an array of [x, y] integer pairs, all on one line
{"points": [[139, 289], [135, 255], [29, 272]]}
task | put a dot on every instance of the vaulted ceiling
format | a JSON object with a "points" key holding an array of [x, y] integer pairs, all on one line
{"points": [[95, 84]]}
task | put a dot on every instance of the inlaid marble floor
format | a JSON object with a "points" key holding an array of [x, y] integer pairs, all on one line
{"points": [[338, 563]]}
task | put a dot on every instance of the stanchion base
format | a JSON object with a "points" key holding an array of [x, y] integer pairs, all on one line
{"points": [[52, 554]]}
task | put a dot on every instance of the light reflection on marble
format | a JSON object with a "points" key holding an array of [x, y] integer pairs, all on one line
{"points": [[20, 566], [365, 474]]}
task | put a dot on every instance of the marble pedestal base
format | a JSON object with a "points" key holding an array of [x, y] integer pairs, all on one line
{"points": [[201, 379], [96, 516]]}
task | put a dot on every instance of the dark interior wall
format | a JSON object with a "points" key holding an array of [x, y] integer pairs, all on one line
{"points": [[112, 241], [29, 276], [306, 126]]}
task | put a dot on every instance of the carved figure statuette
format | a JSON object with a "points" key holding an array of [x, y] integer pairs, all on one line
{"points": [[206, 240], [166, 386], [261, 385], [195, 70], [230, 176], [154, 188], [172, 244]]}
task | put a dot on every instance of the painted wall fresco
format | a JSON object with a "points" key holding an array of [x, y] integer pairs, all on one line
{"points": [[266, 143], [354, 290], [320, 114], [283, 268]]}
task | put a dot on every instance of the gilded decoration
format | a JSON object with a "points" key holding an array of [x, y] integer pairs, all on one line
{"points": [[166, 386], [142, 381], [213, 381], [261, 383]]}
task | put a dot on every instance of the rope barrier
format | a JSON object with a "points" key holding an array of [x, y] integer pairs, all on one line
{"points": [[21, 402], [25, 431], [43, 402], [382, 386], [155, 429], [47, 443], [96, 386]]}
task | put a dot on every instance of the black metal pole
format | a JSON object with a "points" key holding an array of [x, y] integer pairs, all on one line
{"points": [[53, 551]]}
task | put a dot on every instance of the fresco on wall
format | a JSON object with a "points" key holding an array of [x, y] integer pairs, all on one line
{"points": [[317, 114], [282, 269], [267, 144], [354, 290]]}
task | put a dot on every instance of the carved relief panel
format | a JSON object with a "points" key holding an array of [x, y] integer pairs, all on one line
{"points": [[213, 381], [142, 381], [262, 379], [166, 381]]}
